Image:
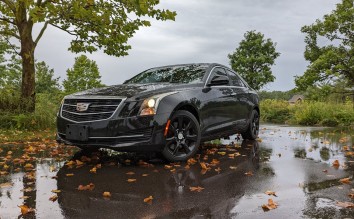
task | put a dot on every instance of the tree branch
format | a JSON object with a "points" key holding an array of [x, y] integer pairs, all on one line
{"points": [[7, 20], [69, 32], [41, 33], [12, 46]]}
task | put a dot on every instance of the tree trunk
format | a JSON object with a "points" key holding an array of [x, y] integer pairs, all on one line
{"points": [[28, 69]]}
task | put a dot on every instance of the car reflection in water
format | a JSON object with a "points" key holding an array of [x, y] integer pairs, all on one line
{"points": [[170, 189]]}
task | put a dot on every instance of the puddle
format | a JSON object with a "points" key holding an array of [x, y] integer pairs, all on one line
{"points": [[295, 162]]}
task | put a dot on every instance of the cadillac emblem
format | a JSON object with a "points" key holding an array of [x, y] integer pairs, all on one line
{"points": [[81, 107]]}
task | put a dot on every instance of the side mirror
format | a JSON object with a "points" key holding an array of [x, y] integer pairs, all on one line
{"points": [[219, 80]]}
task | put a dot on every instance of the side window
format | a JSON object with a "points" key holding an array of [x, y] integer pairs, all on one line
{"points": [[236, 81]]}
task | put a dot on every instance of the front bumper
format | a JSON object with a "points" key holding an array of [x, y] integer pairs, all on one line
{"points": [[138, 133]]}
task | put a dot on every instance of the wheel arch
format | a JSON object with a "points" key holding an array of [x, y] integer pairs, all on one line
{"points": [[187, 107]]}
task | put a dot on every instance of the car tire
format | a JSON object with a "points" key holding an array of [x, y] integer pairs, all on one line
{"points": [[253, 127], [183, 137]]}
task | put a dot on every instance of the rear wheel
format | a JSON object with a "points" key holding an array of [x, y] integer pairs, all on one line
{"points": [[253, 127], [183, 137]]}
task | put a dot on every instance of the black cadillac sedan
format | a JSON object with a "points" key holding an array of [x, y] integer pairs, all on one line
{"points": [[170, 109]]}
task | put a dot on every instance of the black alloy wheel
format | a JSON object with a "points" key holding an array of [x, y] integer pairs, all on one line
{"points": [[183, 137], [253, 128]]}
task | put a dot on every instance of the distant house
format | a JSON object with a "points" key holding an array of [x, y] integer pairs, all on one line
{"points": [[296, 99]]}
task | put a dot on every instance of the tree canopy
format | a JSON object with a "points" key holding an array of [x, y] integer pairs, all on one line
{"points": [[84, 75], [94, 24], [254, 58], [331, 61]]}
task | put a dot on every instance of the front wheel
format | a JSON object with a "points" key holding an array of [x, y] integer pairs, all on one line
{"points": [[253, 127], [183, 137]]}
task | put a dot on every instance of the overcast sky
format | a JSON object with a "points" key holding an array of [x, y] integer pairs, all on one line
{"points": [[204, 31]]}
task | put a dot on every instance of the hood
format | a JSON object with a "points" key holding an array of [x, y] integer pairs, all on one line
{"points": [[134, 90]]}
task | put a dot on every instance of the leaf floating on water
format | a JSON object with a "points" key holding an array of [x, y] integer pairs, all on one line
{"points": [[6, 185], [270, 193], [270, 206], [107, 194], [90, 187], [336, 163], [69, 174], [53, 198], [25, 209], [345, 204], [148, 199], [249, 173], [345, 180], [196, 189]]}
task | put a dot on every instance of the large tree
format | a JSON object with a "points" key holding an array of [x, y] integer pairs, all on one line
{"points": [[84, 75], [254, 58], [330, 48], [94, 24]]}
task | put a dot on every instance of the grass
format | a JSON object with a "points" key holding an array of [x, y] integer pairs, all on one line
{"points": [[308, 113]]}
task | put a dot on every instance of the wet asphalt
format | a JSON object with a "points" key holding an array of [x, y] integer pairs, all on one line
{"points": [[294, 162]]}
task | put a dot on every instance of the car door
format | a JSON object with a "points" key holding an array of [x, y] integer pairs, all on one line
{"points": [[241, 106], [217, 112]]}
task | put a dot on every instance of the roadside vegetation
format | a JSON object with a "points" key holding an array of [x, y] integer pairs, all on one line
{"points": [[309, 113]]}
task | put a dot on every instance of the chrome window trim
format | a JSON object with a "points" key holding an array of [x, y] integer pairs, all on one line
{"points": [[93, 97]]}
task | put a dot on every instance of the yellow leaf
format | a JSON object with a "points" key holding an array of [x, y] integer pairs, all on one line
{"points": [[25, 209], [131, 180], [107, 194], [69, 174], [336, 163], [270, 193], [148, 199], [56, 190], [53, 198], [196, 189], [345, 180]]}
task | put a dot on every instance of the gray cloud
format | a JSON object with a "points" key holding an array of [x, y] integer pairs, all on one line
{"points": [[204, 31]]}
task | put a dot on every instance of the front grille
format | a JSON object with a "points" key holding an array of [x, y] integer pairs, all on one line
{"points": [[98, 109]]}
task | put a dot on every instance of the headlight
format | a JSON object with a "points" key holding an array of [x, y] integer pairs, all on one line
{"points": [[149, 106]]}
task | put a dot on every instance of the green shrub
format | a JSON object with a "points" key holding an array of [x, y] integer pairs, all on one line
{"points": [[275, 111]]}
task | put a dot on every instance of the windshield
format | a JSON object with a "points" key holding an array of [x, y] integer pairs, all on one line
{"points": [[171, 74]]}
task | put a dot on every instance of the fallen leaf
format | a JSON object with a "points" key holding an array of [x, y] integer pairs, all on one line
{"points": [[79, 163], [204, 166], [270, 193], [107, 194], [131, 180], [69, 174], [145, 174], [218, 169], [222, 153], [93, 170], [56, 191], [148, 199], [187, 167], [345, 204], [336, 163], [325, 171], [53, 198], [191, 161], [168, 167], [233, 167], [249, 173], [6, 185], [90, 187], [271, 205], [351, 195], [25, 209], [28, 166], [345, 180], [196, 189], [70, 163], [130, 173]]}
